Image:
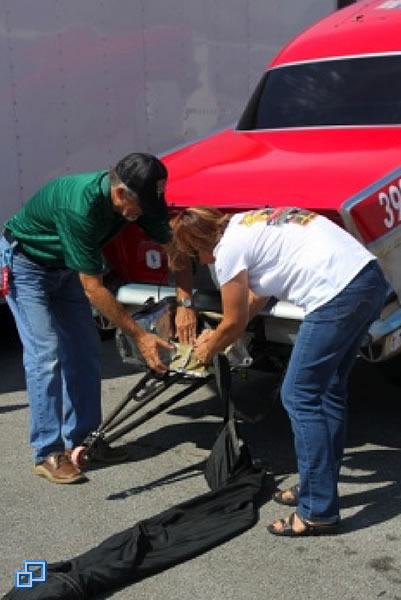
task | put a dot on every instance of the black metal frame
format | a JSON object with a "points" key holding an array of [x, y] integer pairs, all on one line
{"points": [[149, 387]]}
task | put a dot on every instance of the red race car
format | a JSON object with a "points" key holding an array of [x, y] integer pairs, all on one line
{"points": [[321, 131]]}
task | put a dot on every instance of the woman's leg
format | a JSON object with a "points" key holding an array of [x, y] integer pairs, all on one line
{"points": [[314, 389]]}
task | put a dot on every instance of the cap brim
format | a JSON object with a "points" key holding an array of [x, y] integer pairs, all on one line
{"points": [[154, 208]]}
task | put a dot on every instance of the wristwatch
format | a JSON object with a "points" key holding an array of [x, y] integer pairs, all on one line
{"points": [[186, 302]]}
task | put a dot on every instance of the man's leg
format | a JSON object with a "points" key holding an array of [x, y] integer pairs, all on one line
{"points": [[79, 352], [79, 347], [29, 303]]}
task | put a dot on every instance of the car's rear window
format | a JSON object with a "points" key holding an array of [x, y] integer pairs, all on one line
{"points": [[356, 91]]}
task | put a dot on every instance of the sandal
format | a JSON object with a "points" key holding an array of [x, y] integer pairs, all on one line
{"points": [[287, 529], [290, 500]]}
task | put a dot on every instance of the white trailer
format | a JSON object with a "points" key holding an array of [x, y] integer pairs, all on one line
{"points": [[83, 82]]}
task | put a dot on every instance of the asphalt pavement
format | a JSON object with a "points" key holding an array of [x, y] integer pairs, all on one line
{"points": [[43, 521]]}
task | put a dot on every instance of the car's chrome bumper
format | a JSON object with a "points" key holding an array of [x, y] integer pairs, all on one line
{"points": [[282, 319], [136, 294]]}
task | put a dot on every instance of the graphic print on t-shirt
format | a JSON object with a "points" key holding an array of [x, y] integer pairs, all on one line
{"points": [[279, 216]]}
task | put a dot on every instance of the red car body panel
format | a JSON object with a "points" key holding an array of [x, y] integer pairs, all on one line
{"points": [[127, 255], [313, 168], [319, 167], [361, 28]]}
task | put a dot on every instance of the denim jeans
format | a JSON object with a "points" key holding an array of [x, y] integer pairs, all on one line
{"points": [[314, 391], [60, 353]]}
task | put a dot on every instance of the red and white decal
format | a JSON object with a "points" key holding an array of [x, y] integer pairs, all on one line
{"points": [[379, 212], [374, 216]]}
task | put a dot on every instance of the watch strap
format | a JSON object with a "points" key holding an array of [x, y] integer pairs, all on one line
{"points": [[186, 302]]}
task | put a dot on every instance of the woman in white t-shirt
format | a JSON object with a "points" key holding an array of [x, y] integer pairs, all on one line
{"points": [[301, 257]]}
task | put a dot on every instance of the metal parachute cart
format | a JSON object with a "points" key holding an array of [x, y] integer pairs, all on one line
{"points": [[183, 368]]}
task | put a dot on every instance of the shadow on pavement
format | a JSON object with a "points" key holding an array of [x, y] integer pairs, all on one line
{"points": [[372, 454], [180, 475], [12, 407], [373, 450]]}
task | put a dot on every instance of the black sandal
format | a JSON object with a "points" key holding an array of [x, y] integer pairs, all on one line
{"points": [[293, 501], [310, 528]]}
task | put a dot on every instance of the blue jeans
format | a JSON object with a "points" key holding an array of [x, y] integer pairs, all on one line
{"points": [[314, 391], [60, 353]]}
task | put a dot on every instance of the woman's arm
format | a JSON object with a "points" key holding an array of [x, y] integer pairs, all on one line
{"points": [[256, 304], [235, 318]]}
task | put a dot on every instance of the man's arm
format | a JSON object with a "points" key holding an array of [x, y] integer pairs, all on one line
{"points": [[106, 304], [185, 320]]}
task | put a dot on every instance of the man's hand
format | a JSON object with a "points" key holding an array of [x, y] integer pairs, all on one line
{"points": [[185, 319], [148, 345], [185, 324]]}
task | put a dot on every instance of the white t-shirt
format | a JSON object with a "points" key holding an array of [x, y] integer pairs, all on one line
{"points": [[291, 254]]}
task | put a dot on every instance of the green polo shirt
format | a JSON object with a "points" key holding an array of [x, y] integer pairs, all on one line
{"points": [[68, 221]]}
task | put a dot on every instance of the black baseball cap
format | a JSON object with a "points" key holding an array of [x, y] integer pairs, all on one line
{"points": [[145, 175]]}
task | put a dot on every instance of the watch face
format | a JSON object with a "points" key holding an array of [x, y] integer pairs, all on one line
{"points": [[187, 302]]}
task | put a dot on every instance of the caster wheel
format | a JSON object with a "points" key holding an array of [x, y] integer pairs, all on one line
{"points": [[79, 457]]}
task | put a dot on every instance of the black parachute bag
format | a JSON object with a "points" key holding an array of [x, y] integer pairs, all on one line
{"points": [[230, 454], [178, 534]]}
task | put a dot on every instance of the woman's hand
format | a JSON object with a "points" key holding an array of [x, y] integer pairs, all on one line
{"points": [[204, 336], [202, 351]]}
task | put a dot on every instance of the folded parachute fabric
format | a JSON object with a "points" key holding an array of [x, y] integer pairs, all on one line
{"points": [[184, 361]]}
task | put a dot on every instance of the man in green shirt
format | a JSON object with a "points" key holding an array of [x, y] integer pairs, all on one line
{"points": [[53, 250]]}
